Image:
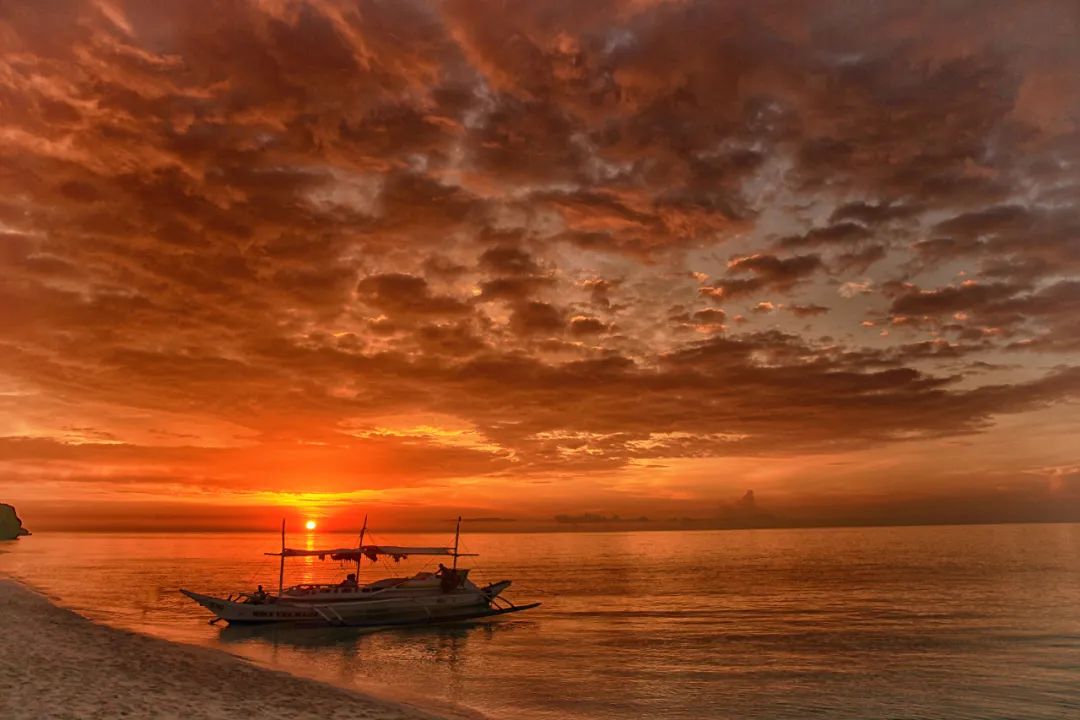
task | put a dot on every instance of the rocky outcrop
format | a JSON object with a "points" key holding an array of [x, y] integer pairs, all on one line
{"points": [[10, 524]]}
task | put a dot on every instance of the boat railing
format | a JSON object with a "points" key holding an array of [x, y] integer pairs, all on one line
{"points": [[313, 588], [374, 588], [332, 588]]}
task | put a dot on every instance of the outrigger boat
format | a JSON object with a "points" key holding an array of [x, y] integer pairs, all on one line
{"points": [[427, 597]]}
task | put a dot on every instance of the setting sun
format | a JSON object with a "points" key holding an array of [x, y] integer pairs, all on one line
{"points": [[310, 524]]}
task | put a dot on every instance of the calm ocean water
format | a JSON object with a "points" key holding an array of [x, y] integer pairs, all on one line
{"points": [[929, 622]]}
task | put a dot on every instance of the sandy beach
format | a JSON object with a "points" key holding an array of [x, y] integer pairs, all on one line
{"points": [[57, 664]]}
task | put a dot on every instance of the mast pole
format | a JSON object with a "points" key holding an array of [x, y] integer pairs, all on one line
{"points": [[281, 567], [360, 549], [457, 538]]}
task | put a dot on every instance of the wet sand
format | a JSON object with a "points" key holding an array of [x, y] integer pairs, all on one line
{"points": [[57, 664]]}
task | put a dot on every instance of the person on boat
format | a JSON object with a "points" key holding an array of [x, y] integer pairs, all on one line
{"points": [[349, 581], [448, 578], [259, 596]]}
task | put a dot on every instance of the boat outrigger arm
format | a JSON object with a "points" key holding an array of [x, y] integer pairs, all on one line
{"points": [[447, 595], [371, 552]]}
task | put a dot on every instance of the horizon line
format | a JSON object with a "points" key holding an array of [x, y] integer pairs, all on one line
{"points": [[604, 528]]}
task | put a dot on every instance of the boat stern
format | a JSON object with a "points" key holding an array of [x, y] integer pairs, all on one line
{"points": [[493, 590]]}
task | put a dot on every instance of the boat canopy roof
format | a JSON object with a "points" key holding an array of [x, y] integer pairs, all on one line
{"points": [[372, 552]]}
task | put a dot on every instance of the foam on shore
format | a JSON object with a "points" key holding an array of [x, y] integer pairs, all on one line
{"points": [[57, 664]]}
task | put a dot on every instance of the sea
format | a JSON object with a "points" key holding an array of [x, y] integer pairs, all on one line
{"points": [[902, 622]]}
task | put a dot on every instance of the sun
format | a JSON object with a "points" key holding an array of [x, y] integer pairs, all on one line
{"points": [[310, 524]]}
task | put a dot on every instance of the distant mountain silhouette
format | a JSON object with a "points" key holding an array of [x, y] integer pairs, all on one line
{"points": [[10, 524], [742, 513]]}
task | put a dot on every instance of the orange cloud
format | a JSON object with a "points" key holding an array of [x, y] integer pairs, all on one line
{"points": [[235, 240]]}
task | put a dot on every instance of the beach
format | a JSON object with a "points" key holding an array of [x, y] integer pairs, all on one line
{"points": [[57, 664]]}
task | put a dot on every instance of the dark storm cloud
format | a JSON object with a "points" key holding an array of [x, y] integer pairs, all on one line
{"points": [[290, 216]]}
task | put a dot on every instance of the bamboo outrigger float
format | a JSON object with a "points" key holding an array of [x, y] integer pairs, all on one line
{"points": [[427, 597]]}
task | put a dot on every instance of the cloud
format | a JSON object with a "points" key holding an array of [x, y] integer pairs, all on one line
{"points": [[513, 288], [853, 288], [406, 295], [871, 214], [508, 261], [533, 317], [844, 232], [276, 221], [804, 311], [709, 316], [1033, 319], [768, 272], [859, 261], [1016, 242], [587, 326], [954, 298]]}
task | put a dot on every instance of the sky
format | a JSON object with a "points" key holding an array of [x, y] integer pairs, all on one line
{"points": [[523, 261]]}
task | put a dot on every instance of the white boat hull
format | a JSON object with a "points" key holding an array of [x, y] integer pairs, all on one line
{"points": [[463, 604]]}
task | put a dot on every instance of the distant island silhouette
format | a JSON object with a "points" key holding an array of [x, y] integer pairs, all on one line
{"points": [[742, 514], [11, 526]]}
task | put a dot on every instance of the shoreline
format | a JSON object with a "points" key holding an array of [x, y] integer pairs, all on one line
{"points": [[56, 663]]}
